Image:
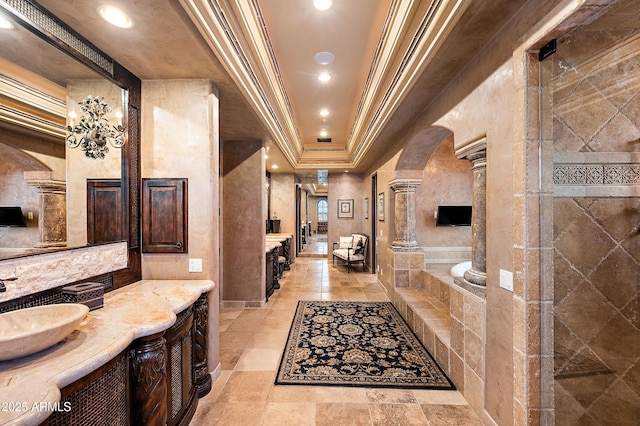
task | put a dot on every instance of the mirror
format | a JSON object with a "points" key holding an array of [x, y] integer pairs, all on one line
{"points": [[41, 88], [46, 70]]}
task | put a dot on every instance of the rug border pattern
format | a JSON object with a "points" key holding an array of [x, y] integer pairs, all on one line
{"points": [[412, 339]]}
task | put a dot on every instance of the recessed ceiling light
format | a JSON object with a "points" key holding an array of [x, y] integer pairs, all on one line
{"points": [[324, 113], [324, 76], [275, 166], [322, 4], [115, 16], [323, 133], [5, 24], [324, 58]]}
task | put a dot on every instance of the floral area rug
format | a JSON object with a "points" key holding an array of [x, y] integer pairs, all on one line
{"points": [[356, 344]]}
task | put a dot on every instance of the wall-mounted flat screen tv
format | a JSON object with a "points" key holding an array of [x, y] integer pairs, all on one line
{"points": [[453, 216], [11, 216]]}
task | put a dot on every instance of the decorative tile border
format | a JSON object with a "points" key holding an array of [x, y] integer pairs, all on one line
{"points": [[596, 174], [579, 174]]}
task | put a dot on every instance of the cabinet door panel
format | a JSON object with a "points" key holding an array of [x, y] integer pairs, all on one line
{"points": [[104, 211], [164, 216]]}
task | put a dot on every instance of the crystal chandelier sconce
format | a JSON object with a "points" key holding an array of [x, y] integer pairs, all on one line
{"points": [[93, 132]]}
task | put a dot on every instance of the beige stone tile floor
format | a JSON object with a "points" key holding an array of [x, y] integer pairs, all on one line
{"points": [[252, 341]]}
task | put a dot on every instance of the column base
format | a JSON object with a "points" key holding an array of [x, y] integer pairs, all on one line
{"points": [[51, 244], [478, 290], [405, 247], [474, 277]]}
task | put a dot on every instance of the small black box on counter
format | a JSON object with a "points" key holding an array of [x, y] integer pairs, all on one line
{"points": [[89, 294]]}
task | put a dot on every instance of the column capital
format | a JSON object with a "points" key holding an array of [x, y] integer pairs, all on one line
{"points": [[476, 152], [49, 185], [404, 185]]}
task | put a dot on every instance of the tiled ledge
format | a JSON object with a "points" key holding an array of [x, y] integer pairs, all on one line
{"points": [[430, 320], [450, 322]]}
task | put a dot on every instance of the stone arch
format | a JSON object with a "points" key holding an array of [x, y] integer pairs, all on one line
{"points": [[51, 197], [421, 146], [21, 159], [408, 175]]}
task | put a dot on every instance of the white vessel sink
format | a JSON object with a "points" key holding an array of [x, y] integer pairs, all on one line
{"points": [[27, 331]]}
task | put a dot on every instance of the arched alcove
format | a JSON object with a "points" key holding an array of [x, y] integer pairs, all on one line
{"points": [[16, 192], [27, 182], [447, 181], [420, 147], [439, 178]]}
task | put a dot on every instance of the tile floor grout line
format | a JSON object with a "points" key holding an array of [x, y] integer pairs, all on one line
{"points": [[246, 397]]}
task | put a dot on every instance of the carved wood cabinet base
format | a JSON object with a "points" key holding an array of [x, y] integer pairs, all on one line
{"points": [[156, 381]]}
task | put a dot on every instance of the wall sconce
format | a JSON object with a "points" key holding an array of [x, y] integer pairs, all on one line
{"points": [[93, 131]]}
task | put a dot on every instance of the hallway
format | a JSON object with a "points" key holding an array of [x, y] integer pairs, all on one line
{"points": [[252, 341], [316, 247]]}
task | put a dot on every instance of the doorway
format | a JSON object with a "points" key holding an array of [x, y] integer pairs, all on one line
{"points": [[374, 224], [316, 244]]}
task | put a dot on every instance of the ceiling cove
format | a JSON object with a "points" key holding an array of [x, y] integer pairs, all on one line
{"points": [[237, 33]]}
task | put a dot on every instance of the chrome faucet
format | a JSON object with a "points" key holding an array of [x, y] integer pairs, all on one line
{"points": [[3, 287]]}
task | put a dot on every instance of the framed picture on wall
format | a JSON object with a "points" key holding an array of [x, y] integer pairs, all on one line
{"points": [[366, 208], [381, 207], [345, 209]]}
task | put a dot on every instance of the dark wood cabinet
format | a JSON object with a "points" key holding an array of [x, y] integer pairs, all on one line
{"points": [[164, 216], [271, 268], [181, 395], [157, 380], [100, 398], [105, 211]]}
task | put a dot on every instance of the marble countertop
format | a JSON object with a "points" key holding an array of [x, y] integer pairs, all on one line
{"points": [[270, 245], [30, 386], [284, 236]]}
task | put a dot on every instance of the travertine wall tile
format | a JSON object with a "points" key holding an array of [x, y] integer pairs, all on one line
{"points": [[456, 373], [473, 350]]}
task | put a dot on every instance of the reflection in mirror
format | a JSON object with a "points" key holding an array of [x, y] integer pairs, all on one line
{"points": [[39, 87]]}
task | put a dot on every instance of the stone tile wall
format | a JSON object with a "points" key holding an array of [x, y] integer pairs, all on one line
{"points": [[596, 242], [50, 270], [450, 322]]}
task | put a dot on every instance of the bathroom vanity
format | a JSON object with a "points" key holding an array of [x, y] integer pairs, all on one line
{"points": [[141, 359]]}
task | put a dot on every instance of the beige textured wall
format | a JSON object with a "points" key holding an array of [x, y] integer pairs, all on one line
{"points": [[15, 192], [79, 167], [447, 181], [180, 139], [345, 186], [463, 110], [283, 198], [243, 247], [384, 235]]}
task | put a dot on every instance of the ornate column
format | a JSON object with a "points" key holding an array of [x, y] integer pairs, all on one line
{"points": [[405, 212], [203, 378], [148, 358], [476, 152], [406, 255], [52, 215]]}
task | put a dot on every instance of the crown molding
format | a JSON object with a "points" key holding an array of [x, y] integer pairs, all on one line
{"points": [[232, 30], [381, 100], [237, 35]]}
